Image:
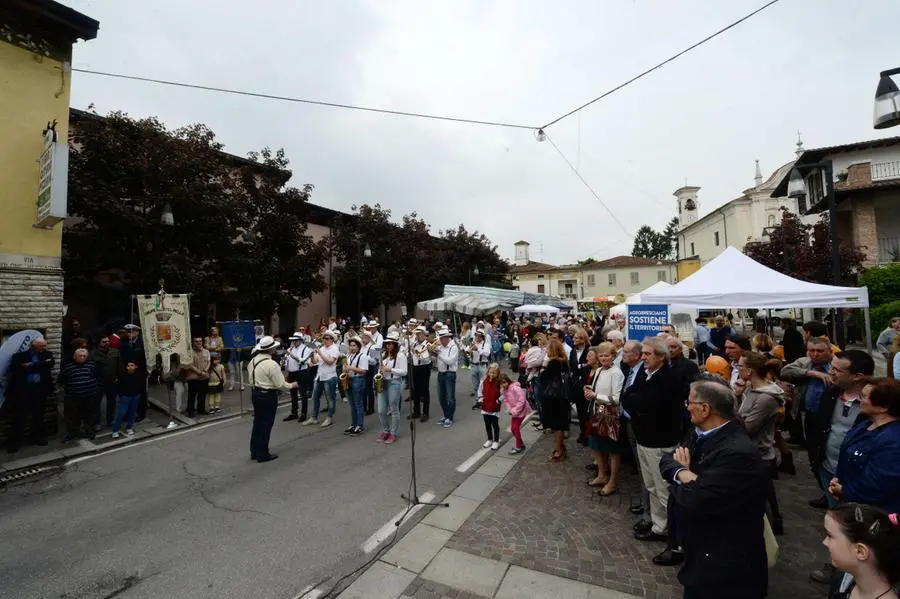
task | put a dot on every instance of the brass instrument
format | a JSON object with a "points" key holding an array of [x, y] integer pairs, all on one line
{"points": [[379, 382], [345, 381]]}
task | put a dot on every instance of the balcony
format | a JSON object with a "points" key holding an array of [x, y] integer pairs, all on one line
{"points": [[885, 171]]}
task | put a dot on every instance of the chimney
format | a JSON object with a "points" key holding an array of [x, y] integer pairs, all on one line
{"points": [[758, 178], [521, 253]]}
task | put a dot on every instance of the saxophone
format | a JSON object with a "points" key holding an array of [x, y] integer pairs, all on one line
{"points": [[379, 382]]}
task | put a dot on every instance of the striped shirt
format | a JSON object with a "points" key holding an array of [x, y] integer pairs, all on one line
{"points": [[80, 379]]}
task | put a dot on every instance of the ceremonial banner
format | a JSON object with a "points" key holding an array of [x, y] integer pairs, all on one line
{"points": [[18, 342], [646, 320], [238, 334], [166, 329]]}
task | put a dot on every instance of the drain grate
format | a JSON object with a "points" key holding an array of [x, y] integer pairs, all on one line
{"points": [[20, 475]]}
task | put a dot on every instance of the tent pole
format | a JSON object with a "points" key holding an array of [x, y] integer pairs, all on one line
{"points": [[869, 331]]}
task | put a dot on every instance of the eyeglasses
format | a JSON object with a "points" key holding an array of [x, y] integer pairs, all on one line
{"points": [[688, 403]]}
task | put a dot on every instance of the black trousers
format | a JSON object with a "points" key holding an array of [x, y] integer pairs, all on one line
{"points": [[141, 411], [300, 396], [421, 393], [370, 390], [196, 396], [79, 410], [265, 405], [23, 406], [581, 406], [492, 426]]}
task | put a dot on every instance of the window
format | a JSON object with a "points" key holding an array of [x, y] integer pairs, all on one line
{"points": [[801, 205], [693, 253], [612, 279], [540, 289], [635, 279], [771, 220], [568, 288], [716, 235], [542, 276], [590, 280], [660, 275]]}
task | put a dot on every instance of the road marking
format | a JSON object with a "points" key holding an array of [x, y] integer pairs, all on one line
{"points": [[383, 533], [467, 465], [310, 593]]}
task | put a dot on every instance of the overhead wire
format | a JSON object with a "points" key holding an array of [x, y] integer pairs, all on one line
{"points": [[237, 92], [588, 186], [661, 64]]}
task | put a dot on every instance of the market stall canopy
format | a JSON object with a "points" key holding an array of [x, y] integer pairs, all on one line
{"points": [[484, 300], [732, 280], [465, 303], [638, 298], [536, 309]]}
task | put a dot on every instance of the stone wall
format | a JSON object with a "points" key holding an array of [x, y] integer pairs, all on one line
{"points": [[33, 299]]}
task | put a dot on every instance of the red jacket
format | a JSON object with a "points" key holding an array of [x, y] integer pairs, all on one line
{"points": [[490, 395]]}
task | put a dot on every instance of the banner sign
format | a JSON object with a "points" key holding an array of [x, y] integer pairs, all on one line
{"points": [[17, 342], [165, 321], [646, 320], [238, 334], [53, 181]]}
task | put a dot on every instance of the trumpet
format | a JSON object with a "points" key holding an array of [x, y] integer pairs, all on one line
{"points": [[379, 382], [345, 381]]}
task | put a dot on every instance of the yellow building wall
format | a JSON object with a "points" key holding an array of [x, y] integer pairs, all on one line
{"points": [[687, 267], [29, 85]]}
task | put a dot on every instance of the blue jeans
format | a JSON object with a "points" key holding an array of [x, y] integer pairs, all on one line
{"points": [[478, 372], [389, 406], [357, 400], [824, 478], [446, 388], [127, 408], [330, 388]]}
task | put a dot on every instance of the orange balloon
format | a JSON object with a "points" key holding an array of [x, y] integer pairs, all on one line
{"points": [[719, 365], [778, 352]]}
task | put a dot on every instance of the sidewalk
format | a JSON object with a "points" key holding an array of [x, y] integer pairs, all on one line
{"points": [[155, 424], [533, 529]]}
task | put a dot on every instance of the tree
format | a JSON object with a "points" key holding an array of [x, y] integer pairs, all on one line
{"points": [[655, 245], [883, 283], [232, 216], [803, 251], [669, 239]]}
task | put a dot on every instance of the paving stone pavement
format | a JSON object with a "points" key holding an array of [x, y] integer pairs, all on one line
{"points": [[560, 528]]}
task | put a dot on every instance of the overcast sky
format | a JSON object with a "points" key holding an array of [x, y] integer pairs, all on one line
{"points": [[807, 65]]}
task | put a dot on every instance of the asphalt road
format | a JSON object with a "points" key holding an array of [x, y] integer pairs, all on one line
{"points": [[190, 516]]}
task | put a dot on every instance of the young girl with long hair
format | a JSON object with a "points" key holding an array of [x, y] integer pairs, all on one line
{"points": [[489, 400], [518, 408], [864, 543]]}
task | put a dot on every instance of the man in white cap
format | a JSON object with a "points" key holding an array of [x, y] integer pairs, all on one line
{"points": [[421, 374], [447, 363], [479, 354], [377, 338], [265, 380], [297, 358], [326, 378]]}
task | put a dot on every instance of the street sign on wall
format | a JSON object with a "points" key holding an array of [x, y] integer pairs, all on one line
{"points": [[53, 181]]}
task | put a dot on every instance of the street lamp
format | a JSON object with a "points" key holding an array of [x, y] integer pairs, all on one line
{"points": [[363, 253], [887, 101], [474, 271], [797, 189]]}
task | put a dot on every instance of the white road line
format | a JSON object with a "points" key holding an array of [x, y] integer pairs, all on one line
{"points": [[383, 533], [467, 465]]}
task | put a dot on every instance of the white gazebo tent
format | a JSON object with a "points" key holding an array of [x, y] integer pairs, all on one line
{"points": [[733, 280], [638, 298], [536, 309]]}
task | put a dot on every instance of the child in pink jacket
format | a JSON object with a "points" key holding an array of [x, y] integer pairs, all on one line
{"points": [[518, 408]]}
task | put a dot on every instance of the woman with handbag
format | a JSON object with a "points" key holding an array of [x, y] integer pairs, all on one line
{"points": [[606, 381], [554, 394]]}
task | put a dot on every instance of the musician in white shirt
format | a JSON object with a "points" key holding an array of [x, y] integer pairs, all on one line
{"points": [[393, 369], [447, 363], [326, 378], [357, 368], [375, 360], [479, 354], [297, 359], [421, 374]]}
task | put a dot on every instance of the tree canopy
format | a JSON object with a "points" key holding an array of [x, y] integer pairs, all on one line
{"points": [[238, 229], [803, 251], [657, 245]]}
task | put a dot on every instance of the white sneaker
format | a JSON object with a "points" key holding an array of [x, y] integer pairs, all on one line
{"points": [[486, 444], [130, 432], [116, 435], [309, 422], [495, 446], [326, 422]]}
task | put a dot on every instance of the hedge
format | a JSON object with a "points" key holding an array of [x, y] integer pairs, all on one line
{"points": [[881, 317]]}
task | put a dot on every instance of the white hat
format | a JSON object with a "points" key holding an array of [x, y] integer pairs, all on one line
{"points": [[393, 336], [266, 343], [479, 332], [131, 327], [412, 321], [331, 334], [438, 324], [365, 333], [296, 337], [372, 324], [355, 339], [420, 329], [445, 333]]}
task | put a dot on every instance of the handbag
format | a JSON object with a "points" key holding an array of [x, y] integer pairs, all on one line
{"points": [[605, 420]]}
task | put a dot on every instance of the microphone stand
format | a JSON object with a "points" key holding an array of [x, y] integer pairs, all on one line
{"points": [[413, 498]]}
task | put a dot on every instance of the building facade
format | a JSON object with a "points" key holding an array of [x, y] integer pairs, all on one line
{"points": [[867, 194], [36, 57], [742, 220]]}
